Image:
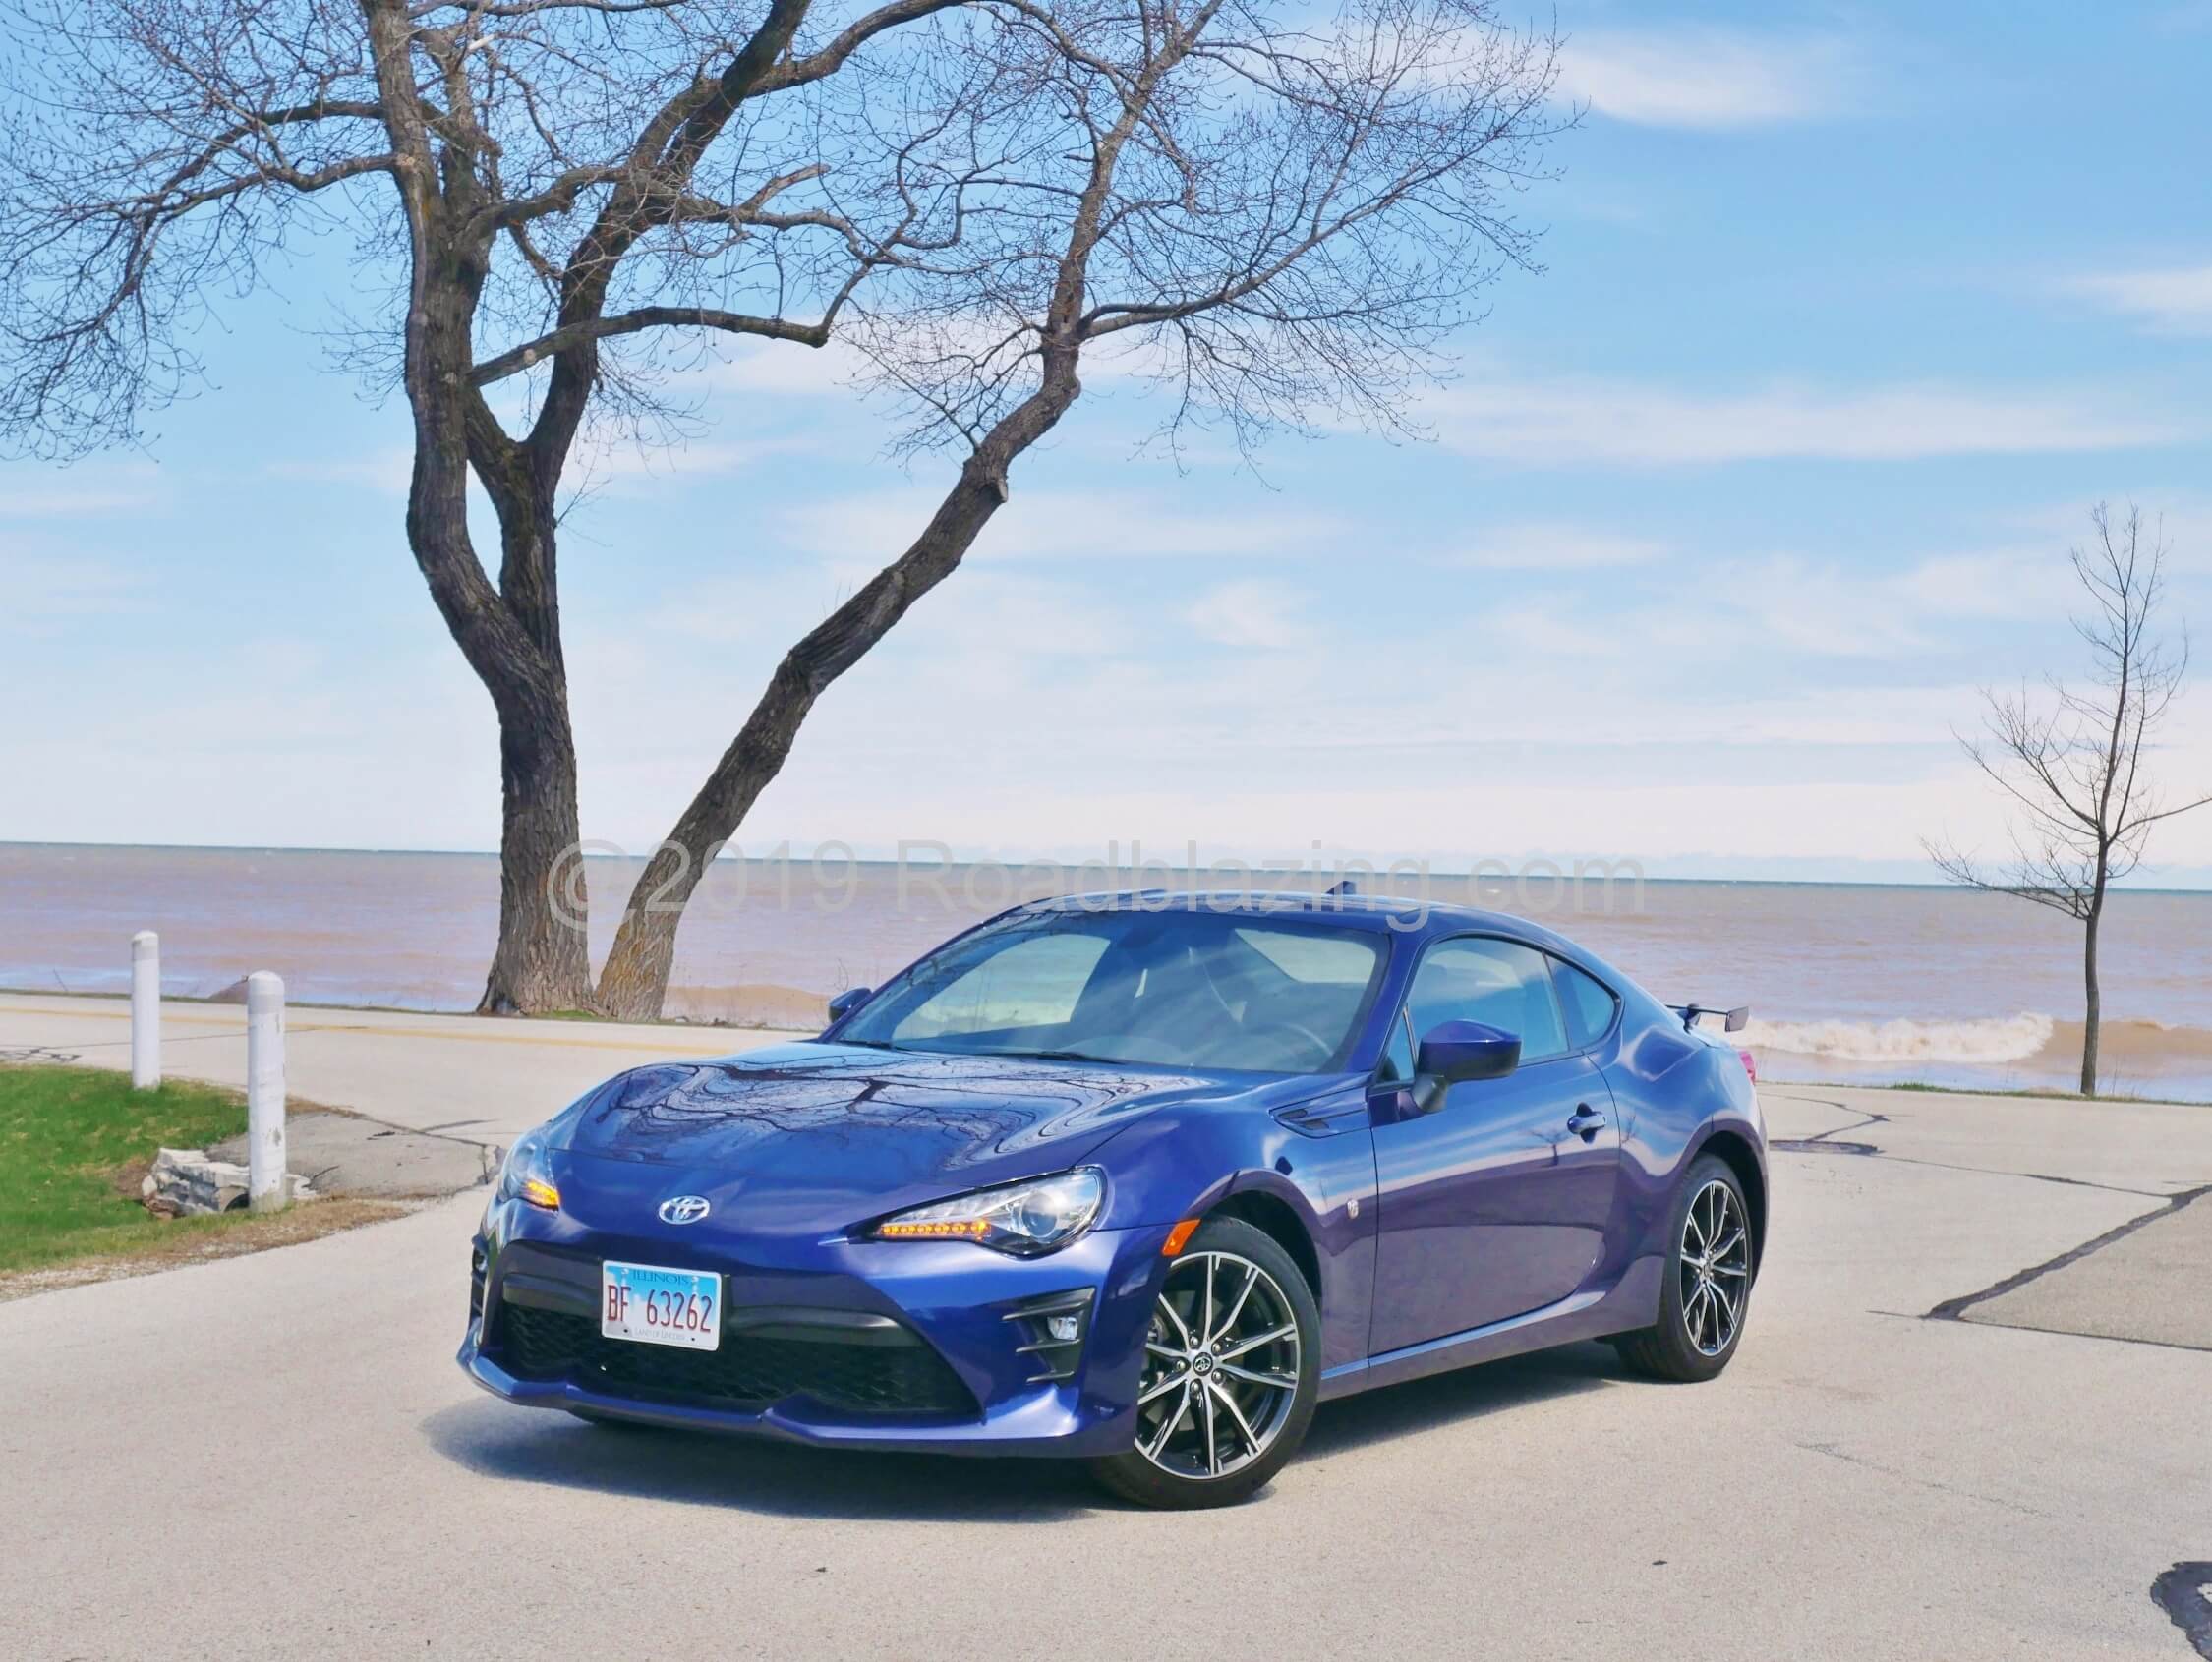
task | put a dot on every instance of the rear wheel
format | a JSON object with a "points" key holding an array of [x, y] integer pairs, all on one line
{"points": [[1232, 1369], [1709, 1277]]}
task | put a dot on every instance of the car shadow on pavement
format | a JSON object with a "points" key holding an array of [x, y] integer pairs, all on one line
{"points": [[532, 1446], [1445, 1399]]}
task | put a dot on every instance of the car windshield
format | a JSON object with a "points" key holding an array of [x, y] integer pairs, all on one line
{"points": [[1173, 987]]}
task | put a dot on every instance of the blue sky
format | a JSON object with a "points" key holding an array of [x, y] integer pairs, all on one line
{"points": [[1851, 312]]}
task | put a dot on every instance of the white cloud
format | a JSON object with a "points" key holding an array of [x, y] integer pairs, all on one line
{"points": [[1546, 545], [387, 471], [783, 367], [2181, 516], [2176, 300], [634, 469], [858, 534], [38, 490], [36, 589], [1707, 78], [604, 464], [1595, 421], [1251, 615]]}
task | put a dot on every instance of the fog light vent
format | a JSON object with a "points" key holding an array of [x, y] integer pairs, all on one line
{"points": [[1053, 1330]]}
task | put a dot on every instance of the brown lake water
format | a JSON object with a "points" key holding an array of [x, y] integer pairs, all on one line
{"points": [[1846, 981]]}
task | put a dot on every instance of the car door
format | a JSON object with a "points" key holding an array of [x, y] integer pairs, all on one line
{"points": [[1494, 1203]]}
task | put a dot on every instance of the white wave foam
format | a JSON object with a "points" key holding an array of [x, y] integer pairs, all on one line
{"points": [[1998, 1039]]}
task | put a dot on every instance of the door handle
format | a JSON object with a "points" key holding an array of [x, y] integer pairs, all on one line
{"points": [[1586, 1121]]}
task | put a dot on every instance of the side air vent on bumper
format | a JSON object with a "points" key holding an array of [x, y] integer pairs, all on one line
{"points": [[1053, 1330]]}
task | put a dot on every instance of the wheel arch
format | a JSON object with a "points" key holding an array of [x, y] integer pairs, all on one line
{"points": [[1275, 1218], [1734, 1150]]}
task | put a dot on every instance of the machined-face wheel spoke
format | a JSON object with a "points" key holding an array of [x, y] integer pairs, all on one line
{"points": [[1182, 1327], [1166, 1385], [1201, 1413], [1228, 1322], [1168, 1425], [1724, 1305], [1229, 1352], [1244, 1426], [1273, 1381], [1213, 1447]]}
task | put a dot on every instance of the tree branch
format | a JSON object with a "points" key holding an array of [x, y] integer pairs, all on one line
{"points": [[528, 356]]}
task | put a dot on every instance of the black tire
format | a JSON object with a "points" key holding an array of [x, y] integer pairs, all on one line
{"points": [[1136, 1476], [1682, 1347]]}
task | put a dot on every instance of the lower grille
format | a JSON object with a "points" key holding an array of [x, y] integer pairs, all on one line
{"points": [[748, 1372]]}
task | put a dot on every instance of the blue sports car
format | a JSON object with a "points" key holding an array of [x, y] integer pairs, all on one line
{"points": [[1138, 1178]]}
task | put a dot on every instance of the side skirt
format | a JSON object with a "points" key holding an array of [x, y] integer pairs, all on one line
{"points": [[1632, 1302]]}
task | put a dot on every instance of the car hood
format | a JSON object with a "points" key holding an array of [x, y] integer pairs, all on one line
{"points": [[816, 1136]]}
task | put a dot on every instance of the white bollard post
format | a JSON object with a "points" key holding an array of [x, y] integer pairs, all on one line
{"points": [[264, 1091], [145, 1011]]}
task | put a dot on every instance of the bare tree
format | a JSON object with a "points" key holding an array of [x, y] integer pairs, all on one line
{"points": [[539, 181], [1274, 215], [2072, 761], [1265, 217]]}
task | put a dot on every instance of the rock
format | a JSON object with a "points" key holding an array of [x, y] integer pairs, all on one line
{"points": [[186, 1182]]}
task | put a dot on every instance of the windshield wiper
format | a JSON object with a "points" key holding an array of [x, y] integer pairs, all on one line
{"points": [[1053, 1056]]}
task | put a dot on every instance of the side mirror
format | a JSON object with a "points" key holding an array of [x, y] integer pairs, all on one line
{"points": [[848, 1000], [1455, 1050]]}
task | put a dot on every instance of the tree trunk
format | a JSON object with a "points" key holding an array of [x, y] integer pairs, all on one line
{"points": [[2092, 1004], [543, 963]]}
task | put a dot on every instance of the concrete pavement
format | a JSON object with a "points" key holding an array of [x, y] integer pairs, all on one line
{"points": [[1863, 1482], [482, 1077]]}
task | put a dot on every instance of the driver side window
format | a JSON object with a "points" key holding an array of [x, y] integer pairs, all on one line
{"points": [[1500, 983]]}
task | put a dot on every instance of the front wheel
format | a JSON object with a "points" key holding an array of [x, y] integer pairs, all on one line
{"points": [[1709, 1277], [1232, 1370]]}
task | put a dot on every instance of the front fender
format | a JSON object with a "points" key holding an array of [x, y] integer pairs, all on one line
{"points": [[1179, 1165]]}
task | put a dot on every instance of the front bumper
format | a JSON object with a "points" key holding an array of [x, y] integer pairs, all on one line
{"points": [[952, 1352]]}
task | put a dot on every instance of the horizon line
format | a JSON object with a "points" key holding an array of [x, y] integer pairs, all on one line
{"points": [[2202, 888]]}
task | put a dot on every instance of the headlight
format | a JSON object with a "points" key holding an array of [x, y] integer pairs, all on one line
{"points": [[526, 1177], [1024, 1219]]}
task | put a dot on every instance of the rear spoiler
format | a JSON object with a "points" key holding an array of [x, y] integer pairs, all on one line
{"points": [[1732, 1022]]}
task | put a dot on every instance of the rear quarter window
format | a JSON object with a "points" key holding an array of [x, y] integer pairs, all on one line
{"points": [[1590, 1004]]}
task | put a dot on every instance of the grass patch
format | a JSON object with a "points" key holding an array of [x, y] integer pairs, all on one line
{"points": [[74, 1144]]}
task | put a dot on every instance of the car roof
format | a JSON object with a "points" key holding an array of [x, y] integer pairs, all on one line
{"points": [[1356, 912]]}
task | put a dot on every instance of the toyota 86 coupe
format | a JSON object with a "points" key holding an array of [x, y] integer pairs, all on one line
{"points": [[1137, 1179]]}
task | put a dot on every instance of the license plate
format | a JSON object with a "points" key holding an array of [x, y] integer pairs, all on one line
{"points": [[656, 1306]]}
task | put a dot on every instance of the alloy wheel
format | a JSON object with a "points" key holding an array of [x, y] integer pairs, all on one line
{"points": [[1715, 1268], [1221, 1367]]}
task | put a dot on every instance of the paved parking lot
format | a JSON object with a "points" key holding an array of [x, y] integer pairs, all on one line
{"points": [[275, 1456]]}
